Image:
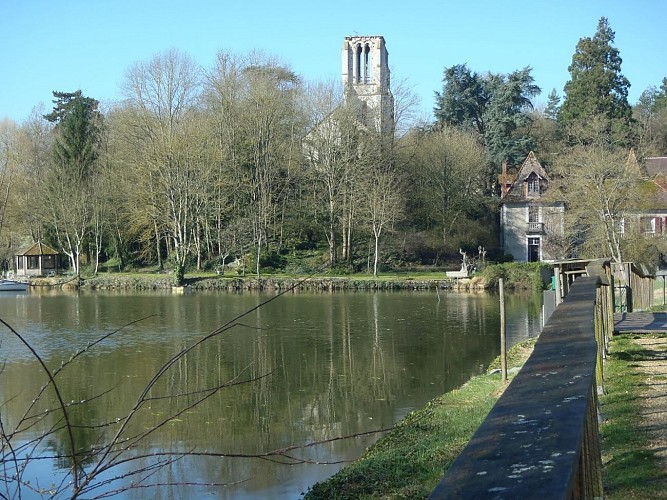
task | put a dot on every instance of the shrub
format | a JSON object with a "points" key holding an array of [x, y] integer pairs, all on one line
{"points": [[305, 245], [272, 260], [516, 275]]}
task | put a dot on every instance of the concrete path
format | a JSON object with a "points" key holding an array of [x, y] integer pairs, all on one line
{"points": [[654, 368], [654, 404], [640, 322]]}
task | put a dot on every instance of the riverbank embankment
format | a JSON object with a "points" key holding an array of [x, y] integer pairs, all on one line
{"points": [[410, 460], [158, 281], [518, 276]]}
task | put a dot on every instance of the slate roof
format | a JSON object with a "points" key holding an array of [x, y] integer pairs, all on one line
{"points": [[530, 164], [656, 166], [656, 170]]}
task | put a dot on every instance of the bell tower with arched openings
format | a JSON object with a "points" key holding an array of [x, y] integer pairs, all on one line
{"points": [[366, 78]]}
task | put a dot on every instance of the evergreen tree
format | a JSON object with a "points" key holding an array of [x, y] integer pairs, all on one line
{"points": [[67, 188], [597, 87], [495, 106], [661, 97], [650, 114], [553, 105], [463, 99], [78, 129]]}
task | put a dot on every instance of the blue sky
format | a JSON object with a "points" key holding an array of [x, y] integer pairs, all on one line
{"points": [[66, 45]]}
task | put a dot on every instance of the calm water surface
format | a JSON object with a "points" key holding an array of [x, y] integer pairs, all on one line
{"points": [[303, 368]]}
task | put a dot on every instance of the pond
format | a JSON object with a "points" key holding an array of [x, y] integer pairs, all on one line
{"points": [[302, 369]]}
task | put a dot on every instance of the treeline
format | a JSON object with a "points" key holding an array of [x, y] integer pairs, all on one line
{"points": [[245, 161], [195, 168]]}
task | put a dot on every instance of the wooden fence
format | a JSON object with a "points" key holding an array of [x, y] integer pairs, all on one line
{"points": [[541, 438], [633, 283], [634, 286]]}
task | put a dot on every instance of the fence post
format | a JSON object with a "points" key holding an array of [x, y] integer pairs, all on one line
{"points": [[503, 333]]}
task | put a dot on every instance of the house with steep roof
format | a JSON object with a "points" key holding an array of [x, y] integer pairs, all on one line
{"points": [[529, 221], [37, 260], [654, 220]]}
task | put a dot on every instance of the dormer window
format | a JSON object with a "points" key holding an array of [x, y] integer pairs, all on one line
{"points": [[533, 185]]}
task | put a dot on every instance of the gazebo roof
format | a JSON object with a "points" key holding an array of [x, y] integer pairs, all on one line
{"points": [[38, 248]]}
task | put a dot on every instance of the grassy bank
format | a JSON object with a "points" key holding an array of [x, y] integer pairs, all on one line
{"points": [[409, 461], [516, 276], [631, 469]]}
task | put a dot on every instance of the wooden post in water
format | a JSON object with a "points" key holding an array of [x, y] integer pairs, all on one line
{"points": [[503, 340]]}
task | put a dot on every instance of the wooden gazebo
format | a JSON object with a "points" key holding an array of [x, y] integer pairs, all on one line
{"points": [[37, 260]]}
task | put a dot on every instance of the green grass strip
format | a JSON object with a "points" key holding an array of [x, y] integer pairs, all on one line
{"points": [[631, 469], [409, 461]]}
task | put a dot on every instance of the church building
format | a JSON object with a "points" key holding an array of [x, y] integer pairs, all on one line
{"points": [[366, 80]]}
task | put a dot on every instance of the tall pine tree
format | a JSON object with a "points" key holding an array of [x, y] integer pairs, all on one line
{"points": [[597, 87], [78, 128], [553, 105], [67, 188]]}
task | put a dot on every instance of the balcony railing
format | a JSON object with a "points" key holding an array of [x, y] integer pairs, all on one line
{"points": [[535, 228]]}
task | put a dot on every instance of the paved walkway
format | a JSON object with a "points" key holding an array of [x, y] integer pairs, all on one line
{"points": [[654, 404], [640, 322], [653, 366]]}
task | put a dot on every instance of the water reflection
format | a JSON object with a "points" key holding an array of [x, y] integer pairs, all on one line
{"points": [[304, 368]]}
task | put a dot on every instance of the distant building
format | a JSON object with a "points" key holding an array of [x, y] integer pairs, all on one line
{"points": [[366, 80], [530, 222], [37, 260], [653, 220], [366, 90]]}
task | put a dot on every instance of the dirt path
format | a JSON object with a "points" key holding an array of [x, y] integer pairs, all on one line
{"points": [[654, 407]]}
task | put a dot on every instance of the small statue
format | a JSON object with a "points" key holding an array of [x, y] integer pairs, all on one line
{"points": [[465, 265]]}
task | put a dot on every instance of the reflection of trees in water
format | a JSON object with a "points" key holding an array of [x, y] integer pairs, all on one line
{"points": [[378, 376], [330, 401], [328, 380], [263, 364]]}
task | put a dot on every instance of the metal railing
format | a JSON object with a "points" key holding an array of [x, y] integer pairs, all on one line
{"points": [[541, 438]]}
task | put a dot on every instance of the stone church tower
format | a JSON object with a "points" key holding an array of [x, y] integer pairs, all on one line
{"points": [[366, 79]]}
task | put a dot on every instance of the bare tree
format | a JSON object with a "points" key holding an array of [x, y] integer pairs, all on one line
{"points": [[447, 174], [252, 106], [223, 99], [162, 94], [8, 164], [269, 111], [332, 149], [381, 193], [33, 156], [600, 189]]}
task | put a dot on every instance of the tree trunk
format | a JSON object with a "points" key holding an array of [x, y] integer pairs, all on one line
{"points": [[375, 262], [344, 247], [259, 252], [157, 245], [332, 244]]}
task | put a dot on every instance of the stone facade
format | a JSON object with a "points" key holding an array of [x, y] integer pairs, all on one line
{"points": [[531, 223], [365, 65]]}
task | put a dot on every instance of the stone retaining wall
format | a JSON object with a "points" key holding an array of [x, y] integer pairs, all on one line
{"points": [[157, 282]]}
